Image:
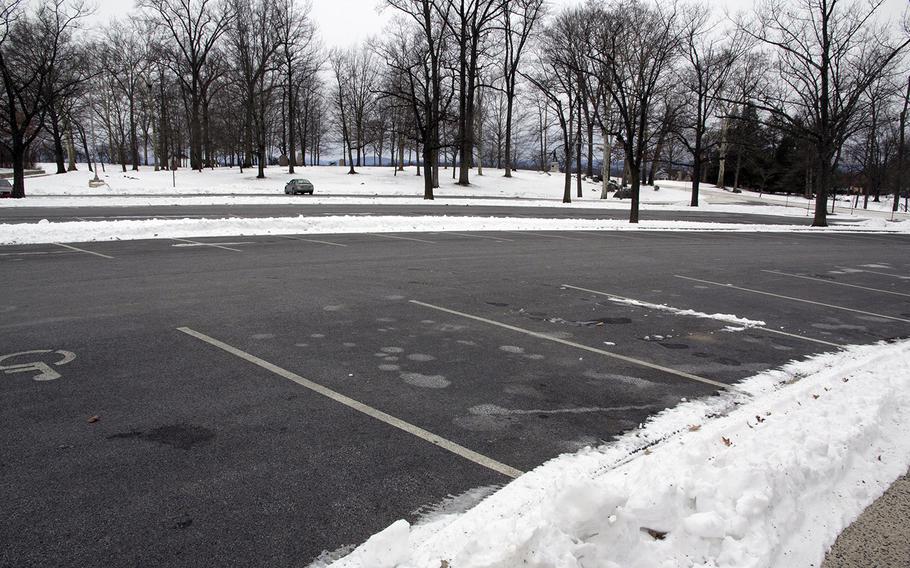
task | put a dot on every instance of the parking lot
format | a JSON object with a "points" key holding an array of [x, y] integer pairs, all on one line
{"points": [[260, 400]]}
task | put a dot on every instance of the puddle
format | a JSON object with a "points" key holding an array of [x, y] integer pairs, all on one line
{"points": [[180, 436]]}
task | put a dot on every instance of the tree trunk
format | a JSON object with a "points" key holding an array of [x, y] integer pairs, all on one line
{"points": [[70, 148], [722, 161], [58, 140], [696, 167], [18, 166], [578, 152], [635, 175]]}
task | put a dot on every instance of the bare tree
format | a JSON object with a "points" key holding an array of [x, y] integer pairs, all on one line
{"points": [[709, 58], [635, 45], [471, 22], [520, 17], [194, 26], [254, 41], [296, 36], [827, 53], [31, 50]]}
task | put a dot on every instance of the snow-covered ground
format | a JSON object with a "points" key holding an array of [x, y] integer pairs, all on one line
{"points": [[84, 231], [766, 476], [370, 181]]}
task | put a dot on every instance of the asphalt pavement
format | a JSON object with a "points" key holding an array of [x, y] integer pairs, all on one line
{"points": [[261, 400], [442, 206]]}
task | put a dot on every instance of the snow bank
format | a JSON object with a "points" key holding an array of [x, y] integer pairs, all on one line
{"points": [[770, 482], [83, 231]]}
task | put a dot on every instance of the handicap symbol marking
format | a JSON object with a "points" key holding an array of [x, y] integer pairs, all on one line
{"points": [[45, 372]]}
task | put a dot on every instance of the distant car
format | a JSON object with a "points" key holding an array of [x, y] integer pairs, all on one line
{"points": [[625, 192], [6, 188], [296, 186]]}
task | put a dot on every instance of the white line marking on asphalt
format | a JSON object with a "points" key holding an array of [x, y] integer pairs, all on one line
{"points": [[83, 250], [727, 322], [212, 244], [434, 439], [768, 329], [792, 298], [402, 238], [538, 335], [206, 244], [892, 275], [314, 241], [836, 283], [481, 237]]}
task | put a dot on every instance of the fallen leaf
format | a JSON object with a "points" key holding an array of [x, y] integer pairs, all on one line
{"points": [[815, 396], [93, 419], [759, 418], [726, 441], [656, 535], [694, 427]]}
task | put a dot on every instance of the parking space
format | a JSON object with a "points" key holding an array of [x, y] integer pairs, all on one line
{"points": [[258, 400]]}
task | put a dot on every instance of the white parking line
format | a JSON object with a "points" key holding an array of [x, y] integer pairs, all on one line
{"points": [[892, 275], [836, 283], [314, 241], [402, 238], [481, 237], [457, 449], [83, 250], [678, 311], [722, 285], [631, 360], [213, 245]]}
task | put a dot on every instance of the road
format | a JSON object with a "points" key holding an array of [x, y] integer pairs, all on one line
{"points": [[440, 207], [260, 400]]}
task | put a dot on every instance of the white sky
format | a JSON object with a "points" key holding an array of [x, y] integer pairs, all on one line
{"points": [[345, 22]]}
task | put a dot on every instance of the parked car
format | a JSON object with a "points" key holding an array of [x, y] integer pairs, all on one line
{"points": [[6, 188], [625, 192], [299, 185]]}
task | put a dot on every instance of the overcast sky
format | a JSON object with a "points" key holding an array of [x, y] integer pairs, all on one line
{"points": [[345, 22]]}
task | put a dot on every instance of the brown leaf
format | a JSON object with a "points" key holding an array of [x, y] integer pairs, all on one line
{"points": [[443, 564], [694, 427], [759, 418], [726, 441], [815, 396], [656, 535], [846, 380], [93, 419]]}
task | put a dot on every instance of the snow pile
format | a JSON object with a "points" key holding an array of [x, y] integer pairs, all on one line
{"points": [[769, 483], [83, 231]]}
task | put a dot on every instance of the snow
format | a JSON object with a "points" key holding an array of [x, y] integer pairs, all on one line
{"points": [[743, 323], [84, 231], [372, 185], [765, 476]]}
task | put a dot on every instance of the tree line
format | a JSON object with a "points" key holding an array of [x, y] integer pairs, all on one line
{"points": [[803, 96]]}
